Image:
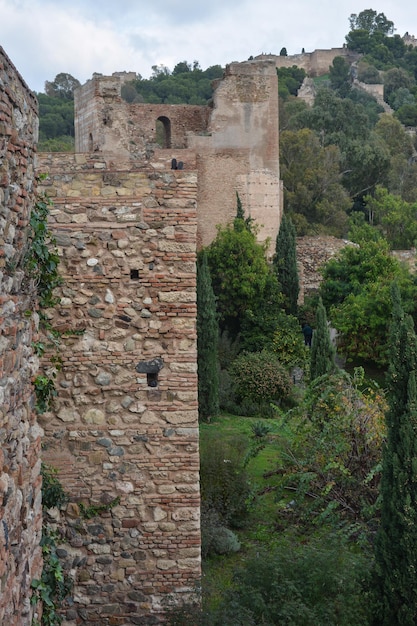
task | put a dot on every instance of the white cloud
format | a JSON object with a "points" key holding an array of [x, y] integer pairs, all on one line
{"points": [[46, 37]]}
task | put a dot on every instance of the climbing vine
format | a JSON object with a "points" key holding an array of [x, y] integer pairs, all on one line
{"points": [[41, 265], [54, 585], [42, 260]]}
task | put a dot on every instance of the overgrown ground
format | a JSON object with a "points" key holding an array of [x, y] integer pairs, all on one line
{"points": [[310, 544]]}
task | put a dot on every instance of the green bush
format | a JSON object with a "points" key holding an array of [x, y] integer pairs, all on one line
{"points": [[260, 377], [318, 584], [224, 485], [332, 461], [288, 343], [215, 537]]}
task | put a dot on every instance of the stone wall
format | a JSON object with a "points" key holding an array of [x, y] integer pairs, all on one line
{"points": [[314, 63], [312, 254], [20, 481], [124, 429], [234, 141]]}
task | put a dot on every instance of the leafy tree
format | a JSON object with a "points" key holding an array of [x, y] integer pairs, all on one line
{"points": [[395, 79], [290, 80], [354, 267], [337, 119], [394, 135], [314, 197], [207, 339], [365, 165], [372, 22], [288, 343], [333, 451], [63, 86], [407, 114], [339, 74], [285, 264], [283, 52], [322, 349], [369, 30], [241, 277], [260, 377], [396, 218], [186, 84], [396, 544], [356, 291], [368, 73], [56, 120]]}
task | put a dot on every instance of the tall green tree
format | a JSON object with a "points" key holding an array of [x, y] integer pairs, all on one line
{"points": [[207, 341], [313, 194], [241, 277], [63, 86], [396, 543], [322, 350], [285, 264], [339, 74], [372, 22]]}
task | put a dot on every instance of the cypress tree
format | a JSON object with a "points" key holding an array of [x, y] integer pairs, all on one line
{"points": [[207, 341], [396, 543], [322, 350], [285, 263]]}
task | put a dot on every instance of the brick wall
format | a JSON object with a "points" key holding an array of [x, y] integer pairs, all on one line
{"points": [[20, 498], [127, 239]]}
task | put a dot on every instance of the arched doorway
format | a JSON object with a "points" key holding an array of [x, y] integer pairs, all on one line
{"points": [[163, 132]]}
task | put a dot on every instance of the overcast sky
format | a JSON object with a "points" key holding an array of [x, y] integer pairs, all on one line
{"points": [[46, 37]]}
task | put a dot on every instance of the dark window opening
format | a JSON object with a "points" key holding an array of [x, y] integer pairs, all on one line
{"points": [[134, 274], [90, 143]]}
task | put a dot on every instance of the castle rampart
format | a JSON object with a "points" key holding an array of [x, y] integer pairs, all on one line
{"points": [[314, 63], [20, 436], [124, 429]]}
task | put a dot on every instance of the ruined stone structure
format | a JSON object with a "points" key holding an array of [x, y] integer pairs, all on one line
{"points": [[233, 145], [20, 436], [312, 254]]}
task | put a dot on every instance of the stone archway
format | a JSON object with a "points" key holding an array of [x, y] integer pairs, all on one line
{"points": [[163, 131]]}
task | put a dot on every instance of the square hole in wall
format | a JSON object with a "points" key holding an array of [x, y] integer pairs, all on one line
{"points": [[134, 274], [152, 379]]}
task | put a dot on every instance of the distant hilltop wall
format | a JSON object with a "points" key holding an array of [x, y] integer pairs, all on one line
{"points": [[314, 63]]}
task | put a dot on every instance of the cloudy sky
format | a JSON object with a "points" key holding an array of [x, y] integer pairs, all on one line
{"points": [[80, 37]]}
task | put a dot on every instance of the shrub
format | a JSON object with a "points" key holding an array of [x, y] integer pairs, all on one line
{"points": [[288, 343], [334, 452], [316, 584], [215, 537], [224, 484], [260, 377]]}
